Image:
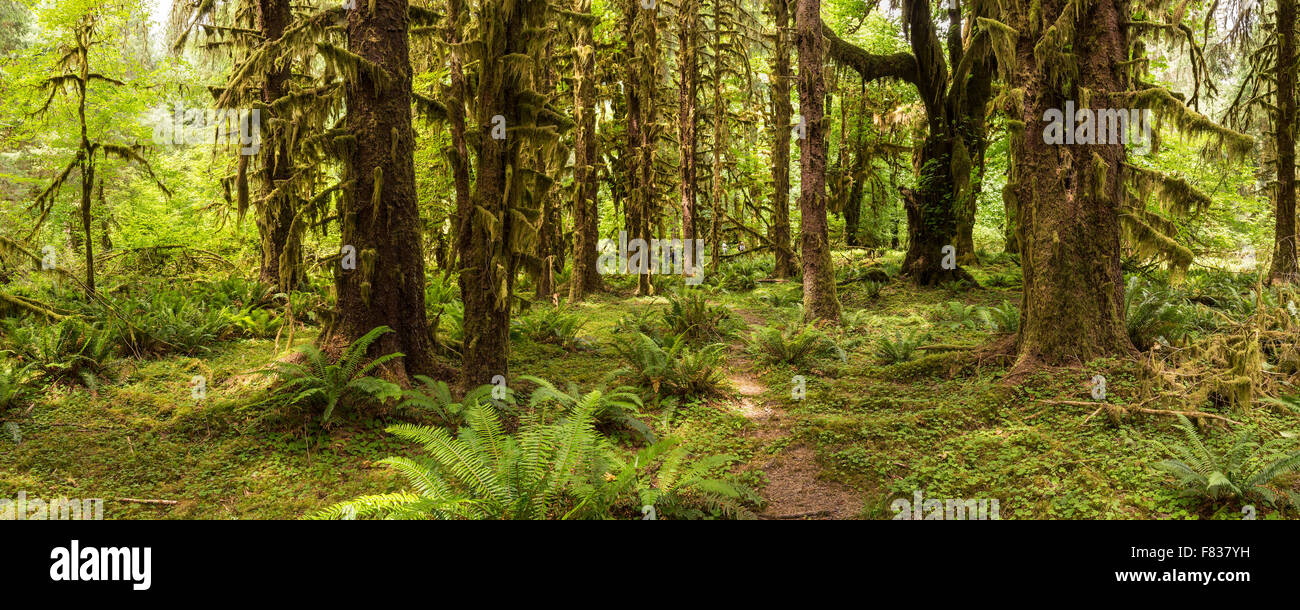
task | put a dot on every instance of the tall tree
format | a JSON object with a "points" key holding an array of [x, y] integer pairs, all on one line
{"points": [[281, 263], [688, 34], [585, 277], [1077, 201], [1285, 268], [74, 73], [819, 298], [379, 214], [781, 115]]}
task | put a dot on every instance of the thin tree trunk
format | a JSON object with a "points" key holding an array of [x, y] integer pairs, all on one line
{"points": [[688, 24], [281, 263], [1285, 267], [819, 298], [781, 114], [585, 277]]}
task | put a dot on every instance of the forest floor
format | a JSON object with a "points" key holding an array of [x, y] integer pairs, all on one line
{"points": [[864, 435]]}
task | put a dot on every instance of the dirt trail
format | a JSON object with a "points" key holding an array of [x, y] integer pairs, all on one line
{"points": [[794, 490]]}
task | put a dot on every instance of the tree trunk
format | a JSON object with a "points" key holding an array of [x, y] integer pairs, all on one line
{"points": [[688, 24], [944, 164], [586, 233], [781, 114], [1285, 269], [281, 263], [87, 184], [489, 262], [379, 215], [648, 82], [459, 153], [819, 299], [1072, 309]]}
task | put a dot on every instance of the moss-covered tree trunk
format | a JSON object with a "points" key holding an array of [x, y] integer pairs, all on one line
{"points": [[781, 114], [488, 264], [1285, 267], [819, 298], [688, 26], [1069, 196], [944, 162], [281, 263], [459, 152], [379, 216], [585, 277]]}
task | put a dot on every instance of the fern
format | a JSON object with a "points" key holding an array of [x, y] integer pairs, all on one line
{"points": [[792, 344], [900, 348], [959, 315], [673, 369], [1204, 473], [690, 316], [320, 383], [1004, 318]]}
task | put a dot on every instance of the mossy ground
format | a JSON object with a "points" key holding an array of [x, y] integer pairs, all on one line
{"points": [[880, 431]]}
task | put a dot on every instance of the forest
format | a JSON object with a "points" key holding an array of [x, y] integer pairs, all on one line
{"points": [[649, 259]]}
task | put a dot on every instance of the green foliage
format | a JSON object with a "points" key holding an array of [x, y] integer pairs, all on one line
{"points": [[899, 348], [642, 321], [665, 483], [434, 398], [1004, 318], [690, 315], [1247, 471], [255, 322], [15, 385], [959, 315], [551, 325], [319, 383], [673, 369], [70, 350], [793, 344], [1154, 315], [558, 468], [619, 407]]}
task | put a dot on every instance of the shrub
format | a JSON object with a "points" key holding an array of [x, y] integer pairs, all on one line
{"points": [[558, 468], [319, 383], [1003, 318], [15, 385], [551, 325], [899, 348], [70, 350], [792, 344], [959, 315], [691, 316], [673, 369], [1243, 472], [1152, 315]]}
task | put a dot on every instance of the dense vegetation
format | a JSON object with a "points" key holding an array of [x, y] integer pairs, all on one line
{"points": [[650, 259]]}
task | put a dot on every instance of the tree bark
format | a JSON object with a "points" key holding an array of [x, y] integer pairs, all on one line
{"points": [[819, 298], [781, 114], [585, 277], [1072, 309], [281, 263], [688, 25], [1285, 269], [379, 214]]}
